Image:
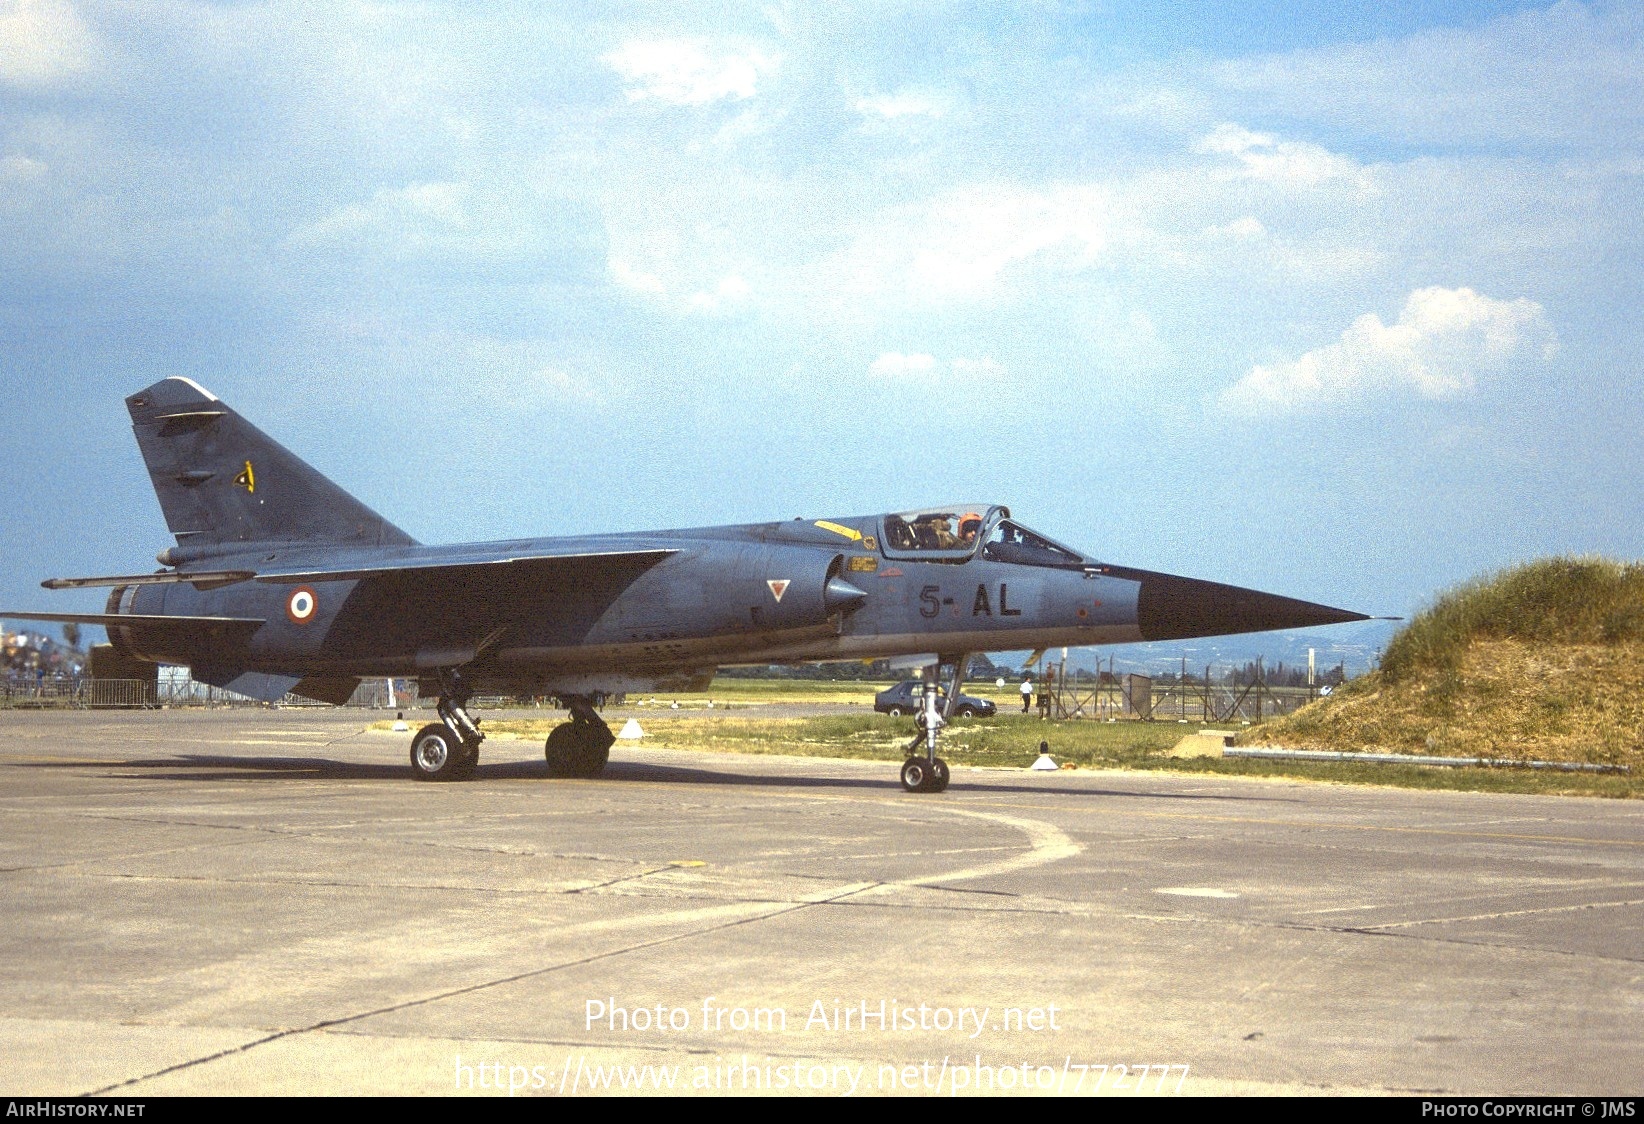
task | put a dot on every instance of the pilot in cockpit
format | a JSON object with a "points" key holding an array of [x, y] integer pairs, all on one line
{"points": [[934, 533], [970, 525]]}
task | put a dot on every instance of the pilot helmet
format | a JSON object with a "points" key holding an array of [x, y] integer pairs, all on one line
{"points": [[970, 524]]}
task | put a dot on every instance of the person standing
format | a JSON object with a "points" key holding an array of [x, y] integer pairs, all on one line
{"points": [[1027, 693]]}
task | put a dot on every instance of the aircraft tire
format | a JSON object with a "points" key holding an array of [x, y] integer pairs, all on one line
{"points": [[437, 755], [577, 749], [939, 776], [916, 775]]}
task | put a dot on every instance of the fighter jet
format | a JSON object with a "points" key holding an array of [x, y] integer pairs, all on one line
{"points": [[280, 582]]}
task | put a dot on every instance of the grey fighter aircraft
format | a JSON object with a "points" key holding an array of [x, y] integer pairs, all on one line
{"points": [[282, 582]]}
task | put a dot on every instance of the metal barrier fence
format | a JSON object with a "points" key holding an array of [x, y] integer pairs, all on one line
{"points": [[173, 690], [79, 693], [1174, 702]]}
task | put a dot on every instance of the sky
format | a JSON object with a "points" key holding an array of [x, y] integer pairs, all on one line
{"points": [[1336, 300]]}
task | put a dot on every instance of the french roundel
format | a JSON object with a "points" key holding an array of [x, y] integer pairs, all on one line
{"points": [[301, 605]]}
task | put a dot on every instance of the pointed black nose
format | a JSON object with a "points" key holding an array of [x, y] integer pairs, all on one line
{"points": [[1172, 608]]}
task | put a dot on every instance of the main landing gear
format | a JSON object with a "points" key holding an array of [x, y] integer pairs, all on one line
{"points": [[580, 747], [929, 773], [448, 750]]}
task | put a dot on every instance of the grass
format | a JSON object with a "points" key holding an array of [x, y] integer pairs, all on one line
{"points": [[1567, 601], [1012, 741]]}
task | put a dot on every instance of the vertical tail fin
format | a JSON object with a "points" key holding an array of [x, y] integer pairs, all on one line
{"points": [[220, 479]]}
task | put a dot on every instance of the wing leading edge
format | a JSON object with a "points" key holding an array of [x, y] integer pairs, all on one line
{"points": [[290, 575]]}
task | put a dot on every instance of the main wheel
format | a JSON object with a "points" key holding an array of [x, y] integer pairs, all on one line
{"points": [[939, 775], [577, 749], [916, 774], [438, 755]]}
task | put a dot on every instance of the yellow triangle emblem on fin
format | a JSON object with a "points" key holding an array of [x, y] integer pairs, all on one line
{"points": [[247, 479]]}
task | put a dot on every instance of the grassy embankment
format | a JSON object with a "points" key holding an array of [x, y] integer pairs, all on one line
{"points": [[1544, 661]]}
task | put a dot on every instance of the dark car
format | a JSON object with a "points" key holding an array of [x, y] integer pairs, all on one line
{"points": [[904, 699]]}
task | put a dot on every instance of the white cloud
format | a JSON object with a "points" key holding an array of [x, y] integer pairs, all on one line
{"points": [[685, 72], [963, 243], [563, 385], [41, 41], [730, 292], [407, 213], [20, 167], [904, 103], [450, 221], [894, 364], [1265, 157], [1443, 341], [1246, 229], [636, 279]]}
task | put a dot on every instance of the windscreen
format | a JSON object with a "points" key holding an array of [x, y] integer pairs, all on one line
{"points": [[1012, 542]]}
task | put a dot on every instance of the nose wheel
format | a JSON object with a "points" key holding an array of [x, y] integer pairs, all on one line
{"points": [[924, 774], [929, 773]]}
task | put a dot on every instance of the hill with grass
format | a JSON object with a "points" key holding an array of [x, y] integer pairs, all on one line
{"points": [[1542, 661]]}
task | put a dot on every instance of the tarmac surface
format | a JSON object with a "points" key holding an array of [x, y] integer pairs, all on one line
{"points": [[253, 901]]}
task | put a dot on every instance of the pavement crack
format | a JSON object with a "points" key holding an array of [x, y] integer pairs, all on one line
{"points": [[192, 1062], [1437, 939], [470, 989], [619, 880], [1505, 913]]}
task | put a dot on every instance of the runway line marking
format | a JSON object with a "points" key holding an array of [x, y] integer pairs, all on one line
{"points": [[1321, 825], [1047, 843]]}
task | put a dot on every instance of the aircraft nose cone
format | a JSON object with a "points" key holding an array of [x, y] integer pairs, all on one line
{"points": [[840, 595], [1172, 608]]}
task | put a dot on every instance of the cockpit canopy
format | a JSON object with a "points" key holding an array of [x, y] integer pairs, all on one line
{"points": [[956, 533], [950, 528]]}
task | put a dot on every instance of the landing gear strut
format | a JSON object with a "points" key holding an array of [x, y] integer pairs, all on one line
{"points": [[929, 773], [580, 747], [448, 750]]}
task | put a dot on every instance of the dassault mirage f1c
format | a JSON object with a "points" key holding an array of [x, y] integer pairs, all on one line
{"points": [[282, 582]]}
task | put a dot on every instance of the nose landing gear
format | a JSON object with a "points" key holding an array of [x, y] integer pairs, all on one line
{"points": [[929, 773]]}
